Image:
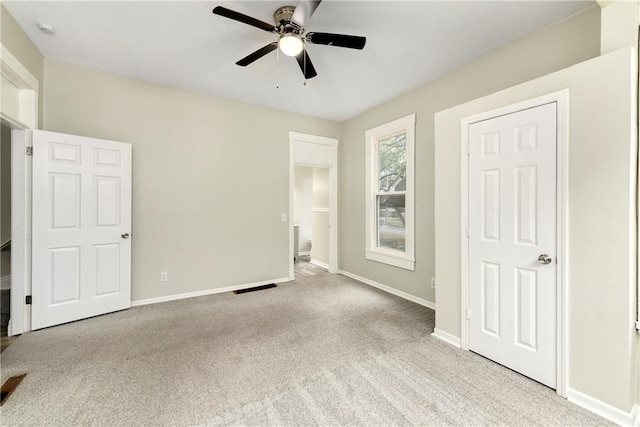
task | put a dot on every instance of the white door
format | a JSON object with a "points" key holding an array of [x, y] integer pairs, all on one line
{"points": [[81, 228], [512, 241]]}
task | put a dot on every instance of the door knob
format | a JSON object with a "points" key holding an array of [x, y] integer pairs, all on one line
{"points": [[125, 235], [545, 259]]}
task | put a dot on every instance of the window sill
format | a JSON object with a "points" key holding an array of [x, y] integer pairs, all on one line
{"points": [[392, 258]]}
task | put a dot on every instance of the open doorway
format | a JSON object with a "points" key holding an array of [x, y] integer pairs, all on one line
{"points": [[313, 201], [311, 216], [5, 230], [18, 115]]}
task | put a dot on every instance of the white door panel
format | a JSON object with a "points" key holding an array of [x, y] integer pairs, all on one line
{"points": [[512, 220], [81, 208]]}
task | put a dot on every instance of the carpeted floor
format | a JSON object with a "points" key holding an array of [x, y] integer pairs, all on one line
{"points": [[323, 350]]}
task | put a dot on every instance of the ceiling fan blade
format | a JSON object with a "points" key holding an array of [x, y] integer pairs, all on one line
{"points": [[304, 10], [240, 17], [340, 40], [306, 66], [257, 54]]}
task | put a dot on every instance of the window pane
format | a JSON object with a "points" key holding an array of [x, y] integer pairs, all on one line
{"points": [[392, 163], [391, 227]]}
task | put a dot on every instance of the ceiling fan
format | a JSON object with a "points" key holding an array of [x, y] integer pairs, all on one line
{"points": [[289, 26]]}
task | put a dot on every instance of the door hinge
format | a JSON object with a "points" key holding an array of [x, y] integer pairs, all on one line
{"points": [[27, 300], [467, 150], [468, 313], [29, 151], [467, 232]]}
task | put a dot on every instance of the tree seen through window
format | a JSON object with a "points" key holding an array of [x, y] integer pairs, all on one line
{"points": [[392, 170]]}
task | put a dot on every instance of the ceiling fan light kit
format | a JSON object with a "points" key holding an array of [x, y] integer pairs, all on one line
{"points": [[290, 45], [289, 25]]}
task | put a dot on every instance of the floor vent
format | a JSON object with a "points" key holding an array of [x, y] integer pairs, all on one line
{"points": [[9, 386], [257, 288]]}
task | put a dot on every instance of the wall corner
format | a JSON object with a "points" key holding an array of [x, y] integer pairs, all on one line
{"points": [[619, 24]]}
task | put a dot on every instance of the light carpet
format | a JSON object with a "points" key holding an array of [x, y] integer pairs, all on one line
{"points": [[322, 350]]}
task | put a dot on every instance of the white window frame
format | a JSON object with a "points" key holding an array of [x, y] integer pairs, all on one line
{"points": [[403, 259]]}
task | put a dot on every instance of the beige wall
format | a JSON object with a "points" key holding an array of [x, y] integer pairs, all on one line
{"points": [[320, 217], [619, 28], [210, 176], [601, 233], [5, 184], [17, 42], [558, 46], [321, 188]]}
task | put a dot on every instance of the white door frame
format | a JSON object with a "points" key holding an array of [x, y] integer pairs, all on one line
{"points": [[332, 165], [561, 98], [21, 119]]}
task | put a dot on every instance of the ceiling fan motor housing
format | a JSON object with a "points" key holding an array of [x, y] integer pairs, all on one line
{"points": [[282, 17]]}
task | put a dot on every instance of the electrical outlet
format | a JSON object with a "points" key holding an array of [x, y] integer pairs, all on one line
{"points": [[433, 282], [283, 217], [164, 276]]}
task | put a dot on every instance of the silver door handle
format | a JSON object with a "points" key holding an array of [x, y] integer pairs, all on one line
{"points": [[545, 259], [125, 235]]}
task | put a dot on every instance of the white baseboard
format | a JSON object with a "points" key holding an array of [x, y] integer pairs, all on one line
{"points": [[446, 337], [5, 282], [318, 263], [635, 415], [601, 408], [391, 290], [156, 300]]}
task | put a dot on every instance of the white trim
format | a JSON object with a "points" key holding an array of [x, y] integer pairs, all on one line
{"points": [[11, 122], [390, 290], [601, 408], [333, 206], [464, 233], [635, 416], [14, 71], [21, 177], [311, 165], [400, 259], [562, 242], [391, 257], [291, 191], [5, 282], [561, 98], [175, 297], [446, 337], [319, 263], [634, 156], [333, 193], [313, 139], [327, 210], [17, 74]]}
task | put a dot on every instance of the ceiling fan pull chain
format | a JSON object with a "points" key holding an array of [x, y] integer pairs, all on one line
{"points": [[277, 68], [304, 53]]}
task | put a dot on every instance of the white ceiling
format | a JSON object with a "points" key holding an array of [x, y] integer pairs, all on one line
{"points": [[183, 44]]}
